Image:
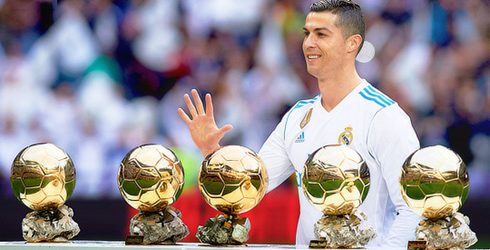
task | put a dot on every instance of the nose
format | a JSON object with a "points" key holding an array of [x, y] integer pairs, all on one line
{"points": [[309, 41]]}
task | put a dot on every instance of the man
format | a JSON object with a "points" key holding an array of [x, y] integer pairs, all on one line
{"points": [[349, 110]]}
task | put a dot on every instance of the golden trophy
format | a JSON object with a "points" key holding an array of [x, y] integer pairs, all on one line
{"points": [[434, 182], [43, 178], [232, 180], [336, 181], [151, 179]]}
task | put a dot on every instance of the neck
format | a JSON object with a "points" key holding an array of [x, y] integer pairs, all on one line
{"points": [[336, 87]]}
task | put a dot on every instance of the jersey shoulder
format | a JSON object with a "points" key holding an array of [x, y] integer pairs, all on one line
{"points": [[299, 110], [304, 104], [370, 97], [301, 106], [380, 111]]}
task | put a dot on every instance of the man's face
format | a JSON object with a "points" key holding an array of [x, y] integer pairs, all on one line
{"points": [[324, 47]]}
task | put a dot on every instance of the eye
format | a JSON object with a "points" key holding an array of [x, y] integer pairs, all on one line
{"points": [[321, 34], [306, 33]]}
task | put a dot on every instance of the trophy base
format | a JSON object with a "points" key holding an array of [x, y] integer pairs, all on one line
{"points": [[224, 230], [343, 231], [450, 232], [134, 240], [50, 226], [164, 228], [417, 245], [224, 246], [138, 240], [48, 242], [325, 244]]}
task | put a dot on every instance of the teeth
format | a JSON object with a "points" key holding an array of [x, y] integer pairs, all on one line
{"points": [[313, 56]]}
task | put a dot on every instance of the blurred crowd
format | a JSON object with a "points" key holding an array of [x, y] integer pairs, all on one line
{"points": [[100, 77]]}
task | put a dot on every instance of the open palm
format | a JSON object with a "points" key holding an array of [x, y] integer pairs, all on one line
{"points": [[202, 126]]}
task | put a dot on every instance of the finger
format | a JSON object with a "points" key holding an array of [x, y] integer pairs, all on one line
{"points": [[209, 105], [197, 100], [190, 106], [225, 129], [184, 116]]}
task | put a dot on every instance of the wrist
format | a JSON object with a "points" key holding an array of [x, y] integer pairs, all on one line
{"points": [[207, 151]]}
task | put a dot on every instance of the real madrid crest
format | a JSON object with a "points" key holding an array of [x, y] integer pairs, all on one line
{"points": [[346, 137]]}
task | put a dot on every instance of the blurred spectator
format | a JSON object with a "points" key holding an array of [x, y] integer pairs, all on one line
{"points": [[150, 48]]}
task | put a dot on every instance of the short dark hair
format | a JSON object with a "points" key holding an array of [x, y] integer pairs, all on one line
{"points": [[351, 20]]}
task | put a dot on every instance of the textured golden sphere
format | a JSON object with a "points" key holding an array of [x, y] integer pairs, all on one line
{"points": [[150, 178], [233, 179], [43, 176], [434, 182], [335, 179]]}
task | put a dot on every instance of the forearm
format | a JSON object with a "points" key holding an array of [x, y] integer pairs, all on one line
{"points": [[403, 228]]}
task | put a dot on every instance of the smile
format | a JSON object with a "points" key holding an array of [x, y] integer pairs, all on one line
{"points": [[313, 56]]}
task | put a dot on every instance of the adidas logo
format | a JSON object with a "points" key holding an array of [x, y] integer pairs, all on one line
{"points": [[301, 138]]}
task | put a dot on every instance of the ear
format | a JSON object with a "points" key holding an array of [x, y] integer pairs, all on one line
{"points": [[353, 43]]}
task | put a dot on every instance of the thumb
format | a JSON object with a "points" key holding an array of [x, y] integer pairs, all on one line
{"points": [[225, 129]]}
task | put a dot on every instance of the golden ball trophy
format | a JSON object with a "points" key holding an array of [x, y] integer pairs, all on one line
{"points": [[151, 179], [43, 178], [336, 181], [232, 180], [434, 182]]}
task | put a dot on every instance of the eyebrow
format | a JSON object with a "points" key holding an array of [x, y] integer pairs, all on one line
{"points": [[318, 29]]}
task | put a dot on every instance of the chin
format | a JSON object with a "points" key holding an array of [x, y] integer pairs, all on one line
{"points": [[312, 72]]}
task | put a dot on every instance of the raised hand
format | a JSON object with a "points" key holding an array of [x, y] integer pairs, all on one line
{"points": [[204, 131]]}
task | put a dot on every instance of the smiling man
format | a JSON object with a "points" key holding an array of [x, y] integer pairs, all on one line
{"points": [[348, 110]]}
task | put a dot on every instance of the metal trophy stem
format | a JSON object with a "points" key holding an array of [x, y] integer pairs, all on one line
{"points": [[452, 232], [164, 227], [343, 231], [52, 226], [224, 229]]}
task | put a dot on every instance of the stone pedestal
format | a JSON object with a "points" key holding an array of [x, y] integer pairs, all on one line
{"points": [[343, 231], [224, 229], [164, 227], [452, 232], [50, 226]]}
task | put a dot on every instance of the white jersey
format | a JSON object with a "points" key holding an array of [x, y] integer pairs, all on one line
{"points": [[370, 123]]}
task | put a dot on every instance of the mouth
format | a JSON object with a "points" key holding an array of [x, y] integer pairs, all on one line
{"points": [[313, 57]]}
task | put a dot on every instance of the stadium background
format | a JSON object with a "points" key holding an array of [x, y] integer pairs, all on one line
{"points": [[100, 77]]}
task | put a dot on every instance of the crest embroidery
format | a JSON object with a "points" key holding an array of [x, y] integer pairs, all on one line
{"points": [[346, 137], [306, 119]]}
